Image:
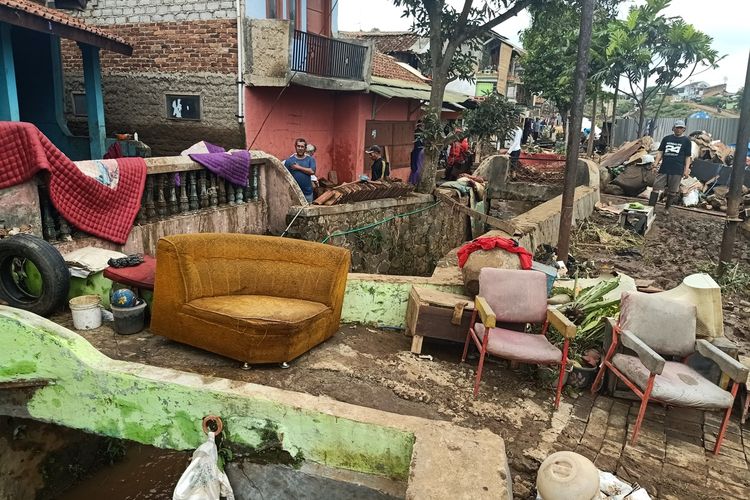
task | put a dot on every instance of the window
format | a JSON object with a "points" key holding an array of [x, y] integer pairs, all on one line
{"points": [[396, 139], [80, 107], [183, 107], [274, 9]]}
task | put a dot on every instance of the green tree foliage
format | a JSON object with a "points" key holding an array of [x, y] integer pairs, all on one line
{"points": [[495, 116], [551, 45], [659, 53], [453, 37]]}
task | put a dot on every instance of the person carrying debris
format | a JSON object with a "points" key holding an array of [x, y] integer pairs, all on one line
{"points": [[458, 158], [380, 168], [673, 162], [302, 167]]}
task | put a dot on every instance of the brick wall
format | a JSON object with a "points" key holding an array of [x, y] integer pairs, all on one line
{"points": [[171, 47], [111, 12]]}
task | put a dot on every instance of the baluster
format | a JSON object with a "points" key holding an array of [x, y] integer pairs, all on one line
{"points": [[150, 210], [256, 183], [213, 190], [239, 197], [193, 196], [174, 206], [64, 229], [161, 200], [222, 191], [184, 205], [202, 191], [248, 190], [230, 193]]}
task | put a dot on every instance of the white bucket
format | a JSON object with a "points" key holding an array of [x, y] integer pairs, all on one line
{"points": [[86, 312]]}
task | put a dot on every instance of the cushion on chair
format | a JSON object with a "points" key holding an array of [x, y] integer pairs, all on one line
{"points": [[140, 276], [678, 384], [274, 314], [666, 325], [515, 296], [520, 346]]}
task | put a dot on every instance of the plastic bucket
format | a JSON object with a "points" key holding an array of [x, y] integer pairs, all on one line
{"points": [[129, 320], [86, 312]]}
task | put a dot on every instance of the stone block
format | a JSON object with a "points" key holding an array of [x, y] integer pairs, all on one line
{"points": [[21, 207]]}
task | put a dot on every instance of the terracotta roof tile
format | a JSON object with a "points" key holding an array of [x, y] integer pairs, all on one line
{"points": [[385, 41], [385, 66], [57, 16]]}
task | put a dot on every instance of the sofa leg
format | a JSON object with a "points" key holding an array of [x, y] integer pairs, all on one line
{"points": [[284, 365], [246, 366]]}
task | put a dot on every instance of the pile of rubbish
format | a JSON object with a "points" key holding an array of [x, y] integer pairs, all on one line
{"points": [[630, 171], [363, 190]]}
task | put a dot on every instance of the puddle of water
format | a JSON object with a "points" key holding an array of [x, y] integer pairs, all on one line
{"points": [[146, 473]]}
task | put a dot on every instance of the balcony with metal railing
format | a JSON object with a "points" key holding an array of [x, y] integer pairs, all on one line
{"points": [[328, 57]]}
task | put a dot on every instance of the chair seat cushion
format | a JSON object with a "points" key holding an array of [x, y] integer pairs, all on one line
{"points": [[520, 346], [140, 276], [272, 314], [678, 384]]}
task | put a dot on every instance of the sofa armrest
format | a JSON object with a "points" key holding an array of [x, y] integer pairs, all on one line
{"points": [[486, 314], [736, 370], [561, 323], [650, 358]]}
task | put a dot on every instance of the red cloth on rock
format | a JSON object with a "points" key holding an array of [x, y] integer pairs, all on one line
{"points": [[490, 242], [84, 202]]}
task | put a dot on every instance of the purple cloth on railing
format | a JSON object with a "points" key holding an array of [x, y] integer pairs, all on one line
{"points": [[233, 166]]}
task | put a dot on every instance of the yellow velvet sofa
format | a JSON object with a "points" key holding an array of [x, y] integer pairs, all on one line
{"points": [[256, 299]]}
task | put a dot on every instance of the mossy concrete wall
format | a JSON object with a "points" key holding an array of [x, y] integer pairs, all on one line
{"points": [[403, 245], [164, 408]]}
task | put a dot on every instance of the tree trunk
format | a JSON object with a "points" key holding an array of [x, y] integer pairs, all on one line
{"points": [[432, 151], [614, 115], [592, 131], [642, 111]]}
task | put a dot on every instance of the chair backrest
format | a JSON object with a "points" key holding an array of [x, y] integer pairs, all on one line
{"points": [[515, 296], [666, 325]]}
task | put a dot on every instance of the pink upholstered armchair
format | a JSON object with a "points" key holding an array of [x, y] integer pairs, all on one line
{"points": [[507, 296], [650, 326]]}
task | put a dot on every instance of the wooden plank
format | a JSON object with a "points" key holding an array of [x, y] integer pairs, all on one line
{"points": [[491, 221], [446, 299], [25, 384], [416, 344], [621, 155], [434, 322], [412, 311]]}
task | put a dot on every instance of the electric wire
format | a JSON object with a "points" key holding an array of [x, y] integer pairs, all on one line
{"points": [[378, 223]]}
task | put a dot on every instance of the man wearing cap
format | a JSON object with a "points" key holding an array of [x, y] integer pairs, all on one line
{"points": [[674, 159], [379, 166]]}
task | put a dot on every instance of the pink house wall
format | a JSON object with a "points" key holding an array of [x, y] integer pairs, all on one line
{"points": [[333, 121]]}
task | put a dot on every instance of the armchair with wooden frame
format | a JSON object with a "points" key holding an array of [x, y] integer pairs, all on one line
{"points": [[520, 297], [652, 326]]}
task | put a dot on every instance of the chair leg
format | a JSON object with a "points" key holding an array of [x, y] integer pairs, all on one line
{"points": [[563, 364], [599, 378], [466, 346], [479, 373], [642, 411], [725, 423]]}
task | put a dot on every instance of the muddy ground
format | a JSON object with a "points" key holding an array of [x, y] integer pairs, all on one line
{"points": [[681, 244], [374, 368]]}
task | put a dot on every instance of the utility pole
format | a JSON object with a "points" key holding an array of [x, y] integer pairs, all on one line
{"points": [[576, 117], [734, 197]]}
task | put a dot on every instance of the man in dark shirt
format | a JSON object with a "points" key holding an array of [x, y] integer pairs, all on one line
{"points": [[302, 167], [674, 157], [379, 166]]}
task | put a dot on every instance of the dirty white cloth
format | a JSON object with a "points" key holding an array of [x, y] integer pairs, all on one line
{"points": [[678, 384], [612, 488], [203, 480]]}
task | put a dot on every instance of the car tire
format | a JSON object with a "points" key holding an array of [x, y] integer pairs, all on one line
{"points": [[18, 250]]}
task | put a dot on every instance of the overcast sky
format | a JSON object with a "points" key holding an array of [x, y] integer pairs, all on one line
{"points": [[721, 19]]}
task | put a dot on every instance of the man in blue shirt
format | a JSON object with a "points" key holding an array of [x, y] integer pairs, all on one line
{"points": [[302, 168]]}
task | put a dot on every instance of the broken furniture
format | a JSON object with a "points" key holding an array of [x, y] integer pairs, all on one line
{"points": [[638, 220], [705, 294], [514, 296], [256, 299], [650, 326], [438, 315]]}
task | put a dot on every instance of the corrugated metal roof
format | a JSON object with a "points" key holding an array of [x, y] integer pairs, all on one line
{"points": [[408, 90]]}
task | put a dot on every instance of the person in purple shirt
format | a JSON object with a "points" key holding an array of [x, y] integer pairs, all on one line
{"points": [[302, 168]]}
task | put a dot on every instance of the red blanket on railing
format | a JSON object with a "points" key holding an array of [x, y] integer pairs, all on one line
{"points": [[84, 202]]}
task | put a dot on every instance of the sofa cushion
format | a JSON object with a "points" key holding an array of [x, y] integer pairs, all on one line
{"points": [[678, 384], [274, 314], [519, 346]]}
